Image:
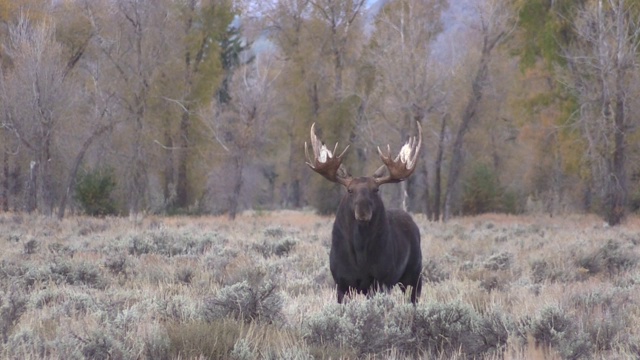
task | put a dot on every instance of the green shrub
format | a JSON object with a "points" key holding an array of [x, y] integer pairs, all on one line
{"points": [[444, 329], [435, 330], [24, 344], [326, 197], [368, 321], [499, 261], [246, 302], [167, 243], [100, 345], [242, 350], [481, 192], [357, 324], [601, 314], [510, 202], [117, 264], [433, 272], [540, 270], [31, 246], [275, 231], [493, 329], [611, 257], [552, 328], [89, 274], [184, 275], [93, 192], [62, 271], [329, 327], [294, 353], [634, 201], [157, 344], [12, 305], [279, 247]]}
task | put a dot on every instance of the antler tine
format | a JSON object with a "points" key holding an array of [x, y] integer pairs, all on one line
{"points": [[404, 163], [306, 154], [314, 146], [343, 151], [382, 155]]}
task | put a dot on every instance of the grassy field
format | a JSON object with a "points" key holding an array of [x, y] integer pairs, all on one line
{"points": [[496, 287]]}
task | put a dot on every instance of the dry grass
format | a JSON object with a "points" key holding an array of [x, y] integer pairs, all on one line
{"points": [[497, 287]]}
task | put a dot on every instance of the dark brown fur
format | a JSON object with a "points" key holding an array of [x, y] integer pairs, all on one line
{"points": [[373, 248]]}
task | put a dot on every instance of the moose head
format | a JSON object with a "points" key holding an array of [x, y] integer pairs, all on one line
{"points": [[363, 191]]}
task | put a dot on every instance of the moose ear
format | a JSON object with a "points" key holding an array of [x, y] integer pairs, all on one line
{"points": [[380, 172]]}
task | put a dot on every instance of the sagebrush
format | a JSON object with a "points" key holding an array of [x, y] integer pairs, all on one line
{"points": [[496, 287]]}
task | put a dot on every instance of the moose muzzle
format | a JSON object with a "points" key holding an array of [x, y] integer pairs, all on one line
{"points": [[363, 211]]}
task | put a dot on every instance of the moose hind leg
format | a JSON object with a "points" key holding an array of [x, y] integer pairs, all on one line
{"points": [[415, 282], [416, 290], [341, 291]]}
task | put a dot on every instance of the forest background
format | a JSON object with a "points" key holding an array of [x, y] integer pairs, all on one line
{"points": [[193, 107]]}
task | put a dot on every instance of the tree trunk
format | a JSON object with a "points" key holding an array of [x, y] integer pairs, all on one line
{"points": [[168, 188], [426, 202], [292, 195], [617, 197], [468, 116], [46, 186], [437, 187], [337, 86], [31, 193], [182, 196], [137, 186], [76, 165], [617, 187], [234, 200]]}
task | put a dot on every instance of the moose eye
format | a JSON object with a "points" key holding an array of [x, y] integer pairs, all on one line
{"points": [[375, 190], [350, 191]]}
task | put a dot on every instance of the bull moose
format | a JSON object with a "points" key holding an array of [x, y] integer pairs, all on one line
{"points": [[372, 248]]}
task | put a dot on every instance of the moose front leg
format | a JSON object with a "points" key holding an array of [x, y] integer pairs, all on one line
{"points": [[341, 291]]}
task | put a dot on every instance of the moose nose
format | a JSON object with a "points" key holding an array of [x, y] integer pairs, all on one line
{"points": [[363, 212]]}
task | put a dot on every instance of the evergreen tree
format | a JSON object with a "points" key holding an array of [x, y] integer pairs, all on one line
{"points": [[234, 52]]}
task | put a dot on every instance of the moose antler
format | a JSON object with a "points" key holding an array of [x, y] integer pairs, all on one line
{"points": [[403, 165], [324, 162]]}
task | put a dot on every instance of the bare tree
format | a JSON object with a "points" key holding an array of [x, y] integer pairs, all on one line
{"points": [[10, 147], [239, 127], [495, 21], [100, 122], [408, 84], [41, 99], [133, 39], [341, 19], [602, 71], [35, 100], [298, 93], [202, 23]]}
